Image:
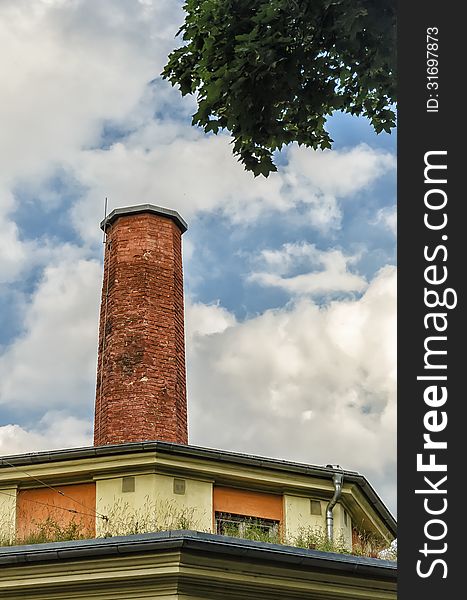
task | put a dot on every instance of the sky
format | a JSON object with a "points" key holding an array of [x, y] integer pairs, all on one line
{"points": [[290, 281]]}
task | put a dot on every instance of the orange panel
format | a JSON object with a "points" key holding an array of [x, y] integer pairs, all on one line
{"points": [[251, 504], [36, 506]]}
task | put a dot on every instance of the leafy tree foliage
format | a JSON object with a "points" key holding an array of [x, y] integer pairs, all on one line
{"points": [[272, 71]]}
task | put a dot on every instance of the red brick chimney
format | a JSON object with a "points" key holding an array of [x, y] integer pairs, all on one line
{"points": [[141, 387]]}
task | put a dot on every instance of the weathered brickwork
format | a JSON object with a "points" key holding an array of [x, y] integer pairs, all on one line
{"points": [[141, 385]]}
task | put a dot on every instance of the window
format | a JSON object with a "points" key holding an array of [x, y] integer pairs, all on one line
{"points": [[251, 528]]}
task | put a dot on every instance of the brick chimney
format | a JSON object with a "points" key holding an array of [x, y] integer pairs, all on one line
{"points": [[141, 387]]}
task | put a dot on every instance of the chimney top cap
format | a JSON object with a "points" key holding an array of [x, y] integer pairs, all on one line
{"points": [[144, 208]]}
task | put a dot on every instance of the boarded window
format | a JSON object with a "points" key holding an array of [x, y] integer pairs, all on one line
{"points": [[44, 512], [250, 503], [128, 484], [179, 486], [315, 507]]}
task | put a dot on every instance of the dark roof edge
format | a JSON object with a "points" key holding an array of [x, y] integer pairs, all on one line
{"points": [[205, 453], [142, 208], [204, 542]]}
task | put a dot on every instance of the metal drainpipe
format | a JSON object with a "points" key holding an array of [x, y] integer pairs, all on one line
{"points": [[338, 480]]}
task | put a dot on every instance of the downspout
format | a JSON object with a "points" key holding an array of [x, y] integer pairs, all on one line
{"points": [[338, 480]]}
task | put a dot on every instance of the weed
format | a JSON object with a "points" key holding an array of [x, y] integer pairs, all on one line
{"points": [[315, 538], [49, 531], [155, 515]]}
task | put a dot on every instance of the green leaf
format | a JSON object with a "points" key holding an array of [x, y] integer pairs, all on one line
{"points": [[272, 71]]}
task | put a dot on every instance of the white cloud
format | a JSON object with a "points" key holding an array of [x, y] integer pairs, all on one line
{"points": [[322, 178], [177, 166], [13, 254], [53, 363], [67, 66], [330, 272], [185, 170], [54, 430], [388, 218], [206, 319], [303, 382], [19, 257], [341, 173]]}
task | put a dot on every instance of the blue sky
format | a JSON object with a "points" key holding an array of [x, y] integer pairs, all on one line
{"points": [[290, 281]]}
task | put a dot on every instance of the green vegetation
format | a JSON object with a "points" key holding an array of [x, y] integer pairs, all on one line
{"points": [[158, 515], [315, 538], [122, 519], [272, 71], [365, 544], [253, 531], [166, 516], [49, 531]]}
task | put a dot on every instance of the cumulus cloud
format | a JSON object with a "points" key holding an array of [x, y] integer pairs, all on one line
{"points": [[182, 168], [12, 252], [387, 217], [54, 430], [330, 272], [341, 172], [67, 66], [206, 320], [53, 362], [18, 257], [321, 179], [68, 69], [303, 382]]}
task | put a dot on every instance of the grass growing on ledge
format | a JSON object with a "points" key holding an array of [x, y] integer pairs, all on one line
{"points": [[48, 531], [122, 520], [165, 516], [158, 515], [254, 532], [365, 544], [315, 538]]}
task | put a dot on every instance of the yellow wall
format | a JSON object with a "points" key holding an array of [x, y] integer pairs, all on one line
{"points": [[298, 515], [341, 530], [153, 505], [7, 513], [297, 512]]}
